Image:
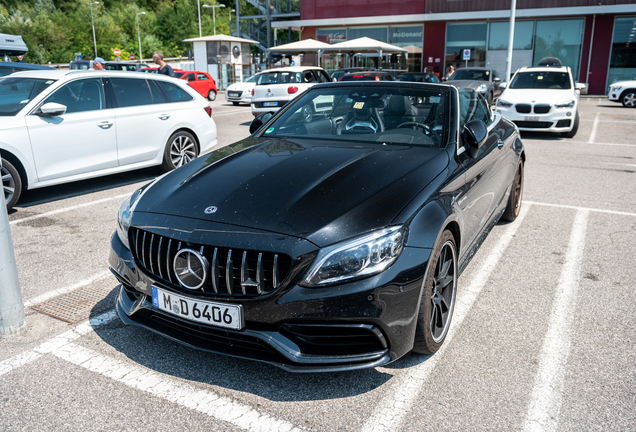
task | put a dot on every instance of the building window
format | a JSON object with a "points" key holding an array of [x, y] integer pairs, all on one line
{"points": [[331, 36], [464, 36], [377, 33], [500, 32], [410, 38], [623, 58], [561, 39]]}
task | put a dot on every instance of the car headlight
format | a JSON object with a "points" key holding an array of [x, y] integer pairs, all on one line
{"points": [[616, 88], [482, 88], [126, 211], [354, 259], [565, 105], [503, 103]]}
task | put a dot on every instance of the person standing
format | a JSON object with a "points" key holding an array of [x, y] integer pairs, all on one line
{"points": [[451, 70], [164, 68]]}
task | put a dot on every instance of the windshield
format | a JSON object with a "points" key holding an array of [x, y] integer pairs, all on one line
{"points": [[16, 92], [384, 115], [471, 75], [418, 77], [279, 78], [178, 74], [541, 80]]}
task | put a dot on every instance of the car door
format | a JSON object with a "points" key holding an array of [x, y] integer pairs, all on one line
{"points": [[144, 120], [192, 80], [486, 173], [204, 85], [80, 141]]}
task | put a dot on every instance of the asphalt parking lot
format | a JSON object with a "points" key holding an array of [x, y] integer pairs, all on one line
{"points": [[543, 336]]}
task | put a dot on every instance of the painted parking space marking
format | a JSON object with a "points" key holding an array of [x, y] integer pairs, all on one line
{"points": [[173, 390], [68, 209], [594, 126], [400, 398], [564, 206], [546, 398]]}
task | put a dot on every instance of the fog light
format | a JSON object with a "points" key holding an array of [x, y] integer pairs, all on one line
{"points": [[568, 114]]}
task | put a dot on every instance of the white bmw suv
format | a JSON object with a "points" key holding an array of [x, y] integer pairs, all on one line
{"points": [[542, 99], [275, 87], [62, 126]]}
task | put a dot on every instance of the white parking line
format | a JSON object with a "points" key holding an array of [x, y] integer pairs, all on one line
{"points": [[593, 134], [51, 294], [545, 402], [224, 113], [26, 357], [67, 209], [398, 401], [173, 390], [620, 213]]}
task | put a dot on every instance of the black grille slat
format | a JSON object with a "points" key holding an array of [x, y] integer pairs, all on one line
{"points": [[542, 109], [232, 272], [533, 124], [523, 108]]}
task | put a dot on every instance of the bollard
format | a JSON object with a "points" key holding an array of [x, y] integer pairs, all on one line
{"points": [[12, 319]]}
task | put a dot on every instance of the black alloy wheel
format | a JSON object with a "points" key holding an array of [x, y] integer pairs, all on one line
{"points": [[438, 298], [628, 99], [212, 95], [516, 195], [11, 183], [180, 149]]}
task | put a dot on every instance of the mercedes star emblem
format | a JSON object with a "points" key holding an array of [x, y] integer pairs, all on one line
{"points": [[191, 268], [210, 210]]}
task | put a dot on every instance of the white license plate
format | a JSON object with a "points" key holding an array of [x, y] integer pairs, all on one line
{"points": [[270, 104], [233, 94], [205, 312], [528, 118]]}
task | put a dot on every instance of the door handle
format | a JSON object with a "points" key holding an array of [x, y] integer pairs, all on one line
{"points": [[105, 124], [164, 116]]}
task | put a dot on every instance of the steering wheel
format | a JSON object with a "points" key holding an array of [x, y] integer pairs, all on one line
{"points": [[415, 125]]}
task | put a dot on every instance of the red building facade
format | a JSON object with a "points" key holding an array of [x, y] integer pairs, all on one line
{"points": [[594, 37]]}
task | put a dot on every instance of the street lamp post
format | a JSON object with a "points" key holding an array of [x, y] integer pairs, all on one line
{"points": [[214, 15], [93, 24], [138, 35], [233, 10]]}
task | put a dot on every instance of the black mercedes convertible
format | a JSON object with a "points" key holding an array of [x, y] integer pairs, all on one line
{"points": [[330, 239]]}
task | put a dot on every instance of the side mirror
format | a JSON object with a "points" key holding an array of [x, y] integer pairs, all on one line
{"points": [[497, 79], [259, 121], [53, 109], [503, 85], [474, 134], [580, 86], [334, 80]]}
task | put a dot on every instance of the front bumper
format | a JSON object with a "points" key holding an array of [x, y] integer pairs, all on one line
{"points": [[243, 96], [361, 324], [556, 120], [614, 95]]}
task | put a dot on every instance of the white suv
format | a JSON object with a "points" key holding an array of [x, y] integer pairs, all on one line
{"points": [[542, 99], [275, 87], [623, 92], [62, 126]]}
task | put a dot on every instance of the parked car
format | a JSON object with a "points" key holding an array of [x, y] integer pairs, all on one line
{"points": [[7, 68], [370, 76], [544, 99], [200, 81], [109, 65], [61, 126], [275, 87], [329, 242], [241, 92], [425, 77], [623, 92], [483, 80], [336, 75]]}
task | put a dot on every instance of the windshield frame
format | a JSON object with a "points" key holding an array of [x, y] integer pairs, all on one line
{"points": [[443, 127]]}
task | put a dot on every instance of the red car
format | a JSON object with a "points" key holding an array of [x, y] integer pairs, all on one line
{"points": [[200, 81]]}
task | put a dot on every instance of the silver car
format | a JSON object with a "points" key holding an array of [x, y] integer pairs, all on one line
{"points": [[483, 80]]}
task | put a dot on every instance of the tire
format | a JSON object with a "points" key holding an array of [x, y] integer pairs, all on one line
{"points": [[438, 297], [181, 148], [516, 195], [235, 103], [212, 95], [628, 98], [11, 183], [575, 128]]}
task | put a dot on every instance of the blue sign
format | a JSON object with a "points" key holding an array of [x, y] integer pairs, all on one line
{"points": [[466, 54]]}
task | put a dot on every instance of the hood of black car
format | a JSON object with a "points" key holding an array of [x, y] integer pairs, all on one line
{"points": [[321, 191]]}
